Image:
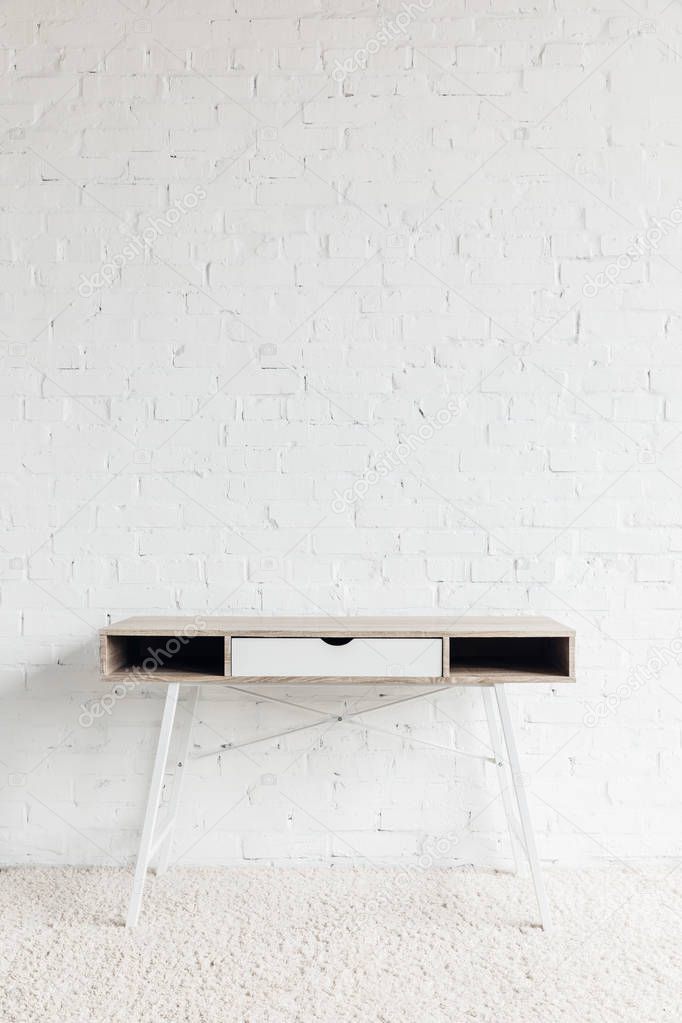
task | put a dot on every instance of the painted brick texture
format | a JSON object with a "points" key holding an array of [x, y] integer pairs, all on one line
{"points": [[312, 307]]}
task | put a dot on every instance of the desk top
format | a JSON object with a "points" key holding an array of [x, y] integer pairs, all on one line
{"points": [[329, 625], [475, 651]]}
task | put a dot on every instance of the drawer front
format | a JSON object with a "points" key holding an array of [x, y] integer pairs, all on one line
{"points": [[361, 657]]}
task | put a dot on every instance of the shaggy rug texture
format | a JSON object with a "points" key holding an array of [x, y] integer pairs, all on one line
{"points": [[268, 945]]}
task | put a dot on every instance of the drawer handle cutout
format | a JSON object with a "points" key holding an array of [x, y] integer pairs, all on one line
{"points": [[337, 641]]}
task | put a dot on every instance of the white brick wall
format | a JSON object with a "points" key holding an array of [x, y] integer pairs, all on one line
{"points": [[363, 249]]}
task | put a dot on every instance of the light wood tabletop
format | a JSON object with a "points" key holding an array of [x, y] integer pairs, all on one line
{"points": [[483, 650]]}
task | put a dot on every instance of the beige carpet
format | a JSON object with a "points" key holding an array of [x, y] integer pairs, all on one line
{"points": [[282, 946]]}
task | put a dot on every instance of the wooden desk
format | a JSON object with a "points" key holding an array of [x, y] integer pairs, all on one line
{"points": [[432, 652]]}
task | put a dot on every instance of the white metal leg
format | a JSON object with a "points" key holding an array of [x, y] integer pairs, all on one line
{"points": [[189, 711], [522, 804], [501, 764], [152, 812], [151, 843]]}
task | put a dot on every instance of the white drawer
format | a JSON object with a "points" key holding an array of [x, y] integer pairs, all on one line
{"points": [[361, 657]]}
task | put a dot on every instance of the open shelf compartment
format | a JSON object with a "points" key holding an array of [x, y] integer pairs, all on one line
{"points": [[511, 658], [164, 657]]}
